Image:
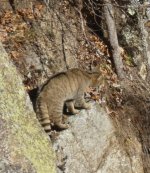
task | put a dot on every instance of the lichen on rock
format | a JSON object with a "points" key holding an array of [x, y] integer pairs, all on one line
{"points": [[25, 147]]}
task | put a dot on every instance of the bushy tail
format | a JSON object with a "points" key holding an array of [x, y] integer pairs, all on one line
{"points": [[43, 116]]}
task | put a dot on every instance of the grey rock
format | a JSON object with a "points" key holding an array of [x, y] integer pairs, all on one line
{"points": [[24, 146], [91, 145]]}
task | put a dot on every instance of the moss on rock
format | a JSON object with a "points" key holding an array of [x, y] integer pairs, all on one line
{"points": [[26, 144]]}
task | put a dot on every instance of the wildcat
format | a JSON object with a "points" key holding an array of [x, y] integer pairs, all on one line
{"points": [[63, 88]]}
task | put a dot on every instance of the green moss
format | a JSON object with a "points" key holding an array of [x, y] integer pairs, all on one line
{"points": [[26, 136], [129, 60], [34, 145]]}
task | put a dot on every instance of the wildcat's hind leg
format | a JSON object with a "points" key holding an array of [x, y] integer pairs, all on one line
{"points": [[57, 117], [58, 122]]}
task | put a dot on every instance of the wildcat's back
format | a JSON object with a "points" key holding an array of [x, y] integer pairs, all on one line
{"points": [[66, 87]]}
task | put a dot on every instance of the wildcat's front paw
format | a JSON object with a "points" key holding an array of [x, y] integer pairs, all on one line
{"points": [[87, 106], [75, 111]]}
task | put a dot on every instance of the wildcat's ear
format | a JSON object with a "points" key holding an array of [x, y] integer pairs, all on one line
{"points": [[95, 69]]}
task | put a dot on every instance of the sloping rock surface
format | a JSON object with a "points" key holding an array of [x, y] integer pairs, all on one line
{"points": [[91, 145], [24, 147]]}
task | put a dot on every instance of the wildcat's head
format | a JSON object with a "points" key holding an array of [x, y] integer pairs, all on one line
{"points": [[97, 79]]}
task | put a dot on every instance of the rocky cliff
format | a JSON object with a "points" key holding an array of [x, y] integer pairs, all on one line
{"points": [[42, 39], [24, 146]]}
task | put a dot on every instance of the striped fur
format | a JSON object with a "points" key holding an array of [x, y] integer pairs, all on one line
{"points": [[63, 88]]}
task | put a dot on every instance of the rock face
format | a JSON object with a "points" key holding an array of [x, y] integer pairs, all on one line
{"points": [[135, 39], [49, 44], [24, 147], [91, 145]]}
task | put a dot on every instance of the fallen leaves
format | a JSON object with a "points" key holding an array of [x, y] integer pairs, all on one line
{"points": [[16, 32], [14, 25], [16, 29], [95, 55], [15, 55]]}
